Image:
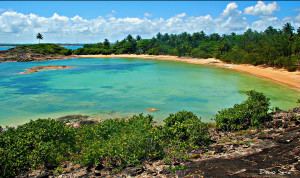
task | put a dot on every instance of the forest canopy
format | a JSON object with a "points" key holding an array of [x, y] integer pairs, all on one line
{"points": [[272, 47]]}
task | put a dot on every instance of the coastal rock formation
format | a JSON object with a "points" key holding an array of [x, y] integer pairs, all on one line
{"points": [[42, 68], [36, 52], [77, 120], [152, 109]]}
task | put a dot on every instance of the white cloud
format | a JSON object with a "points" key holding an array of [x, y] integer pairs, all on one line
{"points": [[17, 27], [147, 14], [230, 8], [261, 8], [231, 19], [265, 22]]}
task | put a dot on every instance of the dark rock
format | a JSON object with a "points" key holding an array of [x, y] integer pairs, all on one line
{"points": [[218, 148], [176, 163], [296, 110], [72, 118], [99, 167], [97, 173], [297, 166], [50, 166], [153, 173], [134, 171], [165, 171], [284, 141], [264, 137], [39, 174], [87, 122]]}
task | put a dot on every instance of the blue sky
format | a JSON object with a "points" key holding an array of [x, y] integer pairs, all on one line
{"points": [[91, 9], [93, 21]]}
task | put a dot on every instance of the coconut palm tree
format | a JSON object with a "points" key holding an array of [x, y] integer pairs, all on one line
{"points": [[39, 36]]}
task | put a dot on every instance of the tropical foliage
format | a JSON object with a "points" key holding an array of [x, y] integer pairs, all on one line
{"points": [[39, 36], [272, 47], [43, 49], [37, 143], [250, 113], [112, 144]]}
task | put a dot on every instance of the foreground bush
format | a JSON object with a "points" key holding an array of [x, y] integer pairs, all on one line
{"points": [[118, 143], [182, 132], [250, 113], [112, 144], [185, 126], [37, 143]]}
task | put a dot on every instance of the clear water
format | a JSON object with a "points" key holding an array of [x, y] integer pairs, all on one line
{"points": [[109, 88], [72, 47], [3, 48]]}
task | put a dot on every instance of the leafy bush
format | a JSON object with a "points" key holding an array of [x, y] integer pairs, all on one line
{"points": [[37, 143], [250, 113], [182, 132], [113, 144], [119, 143], [184, 126]]}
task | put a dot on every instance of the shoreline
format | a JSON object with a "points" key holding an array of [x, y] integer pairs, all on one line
{"points": [[280, 76]]}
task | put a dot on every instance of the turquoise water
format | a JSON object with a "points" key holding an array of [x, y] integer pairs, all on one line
{"points": [[109, 88], [3, 48], [72, 47]]}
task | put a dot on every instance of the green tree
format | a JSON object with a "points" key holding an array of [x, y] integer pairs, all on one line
{"points": [[39, 36]]}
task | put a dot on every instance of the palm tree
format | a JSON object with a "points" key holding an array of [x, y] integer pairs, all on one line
{"points": [[288, 29], [39, 36]]}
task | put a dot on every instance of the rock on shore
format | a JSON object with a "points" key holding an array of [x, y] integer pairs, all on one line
{"points": [[42, 68]]}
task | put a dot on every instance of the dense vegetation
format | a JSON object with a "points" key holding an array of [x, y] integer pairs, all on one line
{"points": [[113, 144], [43, 49], [117, 143], [272, 47], [250, 113]]}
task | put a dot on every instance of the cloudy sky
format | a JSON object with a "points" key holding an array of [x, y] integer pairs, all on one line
{"points": [[89, 22]]}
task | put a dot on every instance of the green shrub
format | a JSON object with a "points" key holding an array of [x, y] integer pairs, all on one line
{"points": [[118, 143], [37, 143], [113, 144], [250, 113], [183, 132], [186, 127]]}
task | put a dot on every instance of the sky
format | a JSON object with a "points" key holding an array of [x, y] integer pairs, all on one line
{"points": [[91, 22]]}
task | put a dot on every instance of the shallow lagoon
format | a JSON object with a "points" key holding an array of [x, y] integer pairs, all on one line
{"points": [[109, 88]]}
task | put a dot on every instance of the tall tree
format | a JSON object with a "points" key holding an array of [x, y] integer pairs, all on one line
{"points": [[40, 37], [106, 43], [288, 29], [138, 38]]}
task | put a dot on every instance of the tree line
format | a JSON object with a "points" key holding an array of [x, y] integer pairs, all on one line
{"points": [[272, 47]]}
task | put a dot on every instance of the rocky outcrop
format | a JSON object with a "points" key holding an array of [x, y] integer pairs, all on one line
{"points": [[43, 68], [36, 52], [77, 120], [273, 151]]}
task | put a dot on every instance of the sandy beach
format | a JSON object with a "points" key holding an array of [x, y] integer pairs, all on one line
{"points": [[280, 76]]}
